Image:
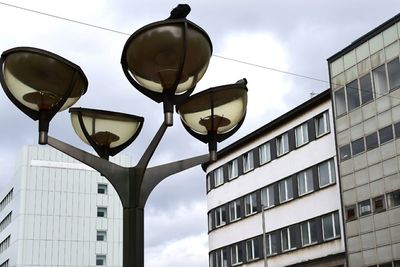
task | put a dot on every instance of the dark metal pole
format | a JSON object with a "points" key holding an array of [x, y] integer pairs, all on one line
{"points": [[133, 237]]}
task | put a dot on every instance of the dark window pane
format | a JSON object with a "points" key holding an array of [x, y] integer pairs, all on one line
{"points": [[353, 97], [357, 146], [337, 224], [340, 102], [371, 141], [274, 242], [314, 231], [351, 213], [366, 88], [397, 129], [379, 204], [345, 152], [327, 226], [394, 73], [385, 134], [380, 83], [393, 199]]}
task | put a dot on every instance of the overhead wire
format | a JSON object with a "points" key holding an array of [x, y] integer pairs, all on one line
{"points": [[214, 55]]}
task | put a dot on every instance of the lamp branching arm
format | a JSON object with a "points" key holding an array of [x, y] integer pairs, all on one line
{"points": [[154, 175], [114, 173]]}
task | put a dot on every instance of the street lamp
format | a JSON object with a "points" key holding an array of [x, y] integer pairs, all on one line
{"points": [[164, 61]]}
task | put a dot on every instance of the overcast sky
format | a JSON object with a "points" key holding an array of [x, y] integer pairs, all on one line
{"points": [[290, 36]]}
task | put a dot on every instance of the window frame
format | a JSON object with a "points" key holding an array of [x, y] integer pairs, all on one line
{"points": [[338, 99], [233, 169], [268, 198], [374, 202], [334, 226], [331, 173], [102, 234], [220, 216], [355, 214], [304, 175], [218, 176], [234, 205], [248, 161], [254, 253], [102, 187], [221, 258], [393, 203], [289, 231], [264, 152], [238, 254], [103, 258], [362, 205], [309, 234], [282, 144], [301, 135], [286, 182], [253, 204], [103, 210], [382, 133], [324, 117]]}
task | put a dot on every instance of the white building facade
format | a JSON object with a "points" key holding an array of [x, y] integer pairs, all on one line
{"points": [[59, 212], [286, 172]]}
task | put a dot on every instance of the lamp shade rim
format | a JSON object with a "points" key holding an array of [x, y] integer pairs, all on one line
{"points": [[106, 112]]}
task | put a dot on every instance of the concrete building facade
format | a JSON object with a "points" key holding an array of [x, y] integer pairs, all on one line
{"points": [[275, 192], [365, 82], [59, 212]]}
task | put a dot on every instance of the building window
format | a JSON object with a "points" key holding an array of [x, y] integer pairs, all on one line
{"points": [[385, 134], [330, 226], [210, 220], [267, 197], [371, 141], [301, 133], [282, 144], [380, 82], [100, 260], [250, 204], [101, 188], [233, 169], [397, 129], [264, 153], [252, 249], [288, 237], [326, 173], [248, 161], [101, 235], [220, 216], [393, 199], [366, 89], [102, 212], [234, 210], [218, 176], [5, 264], [208, 182], [357, 146], [309, 232], [340, 102], [364, 207], [285, 190], [394, 73], [351, 213], [379, 204], [305, 182], [272, 243], [353, 96], [221, 258], [5, 222], [236, 254], [322, 125], [6, 199], [344, 152], [4, 244]]}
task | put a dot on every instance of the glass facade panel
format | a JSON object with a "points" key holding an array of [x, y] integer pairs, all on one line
{"points": [[371, 141], [380, 82], [394, 74], [340, 102], [357, 146], [385, 134], [353, 96], [366, 89]]}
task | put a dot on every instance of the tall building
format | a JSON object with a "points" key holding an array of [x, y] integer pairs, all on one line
{"points": [[59, 212], [275, 193], [365, 82]]}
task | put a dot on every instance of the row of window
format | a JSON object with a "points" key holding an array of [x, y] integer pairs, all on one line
{"points": [[387, 264], [301, 183], [101, 235], [375, 205], [5, 222], [6, 200], [4, 264], [4, 244], [290, 140], [363, 90], [370, 141], [314, 231]]}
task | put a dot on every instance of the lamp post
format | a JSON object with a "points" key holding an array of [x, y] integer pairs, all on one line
{"points": [[164, 61]]}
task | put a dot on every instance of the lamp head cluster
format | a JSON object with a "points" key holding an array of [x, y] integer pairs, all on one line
{"points": [[163, 60]]}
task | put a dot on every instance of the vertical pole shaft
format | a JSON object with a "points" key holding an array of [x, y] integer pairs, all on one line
{"points": [[133, 237]]}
